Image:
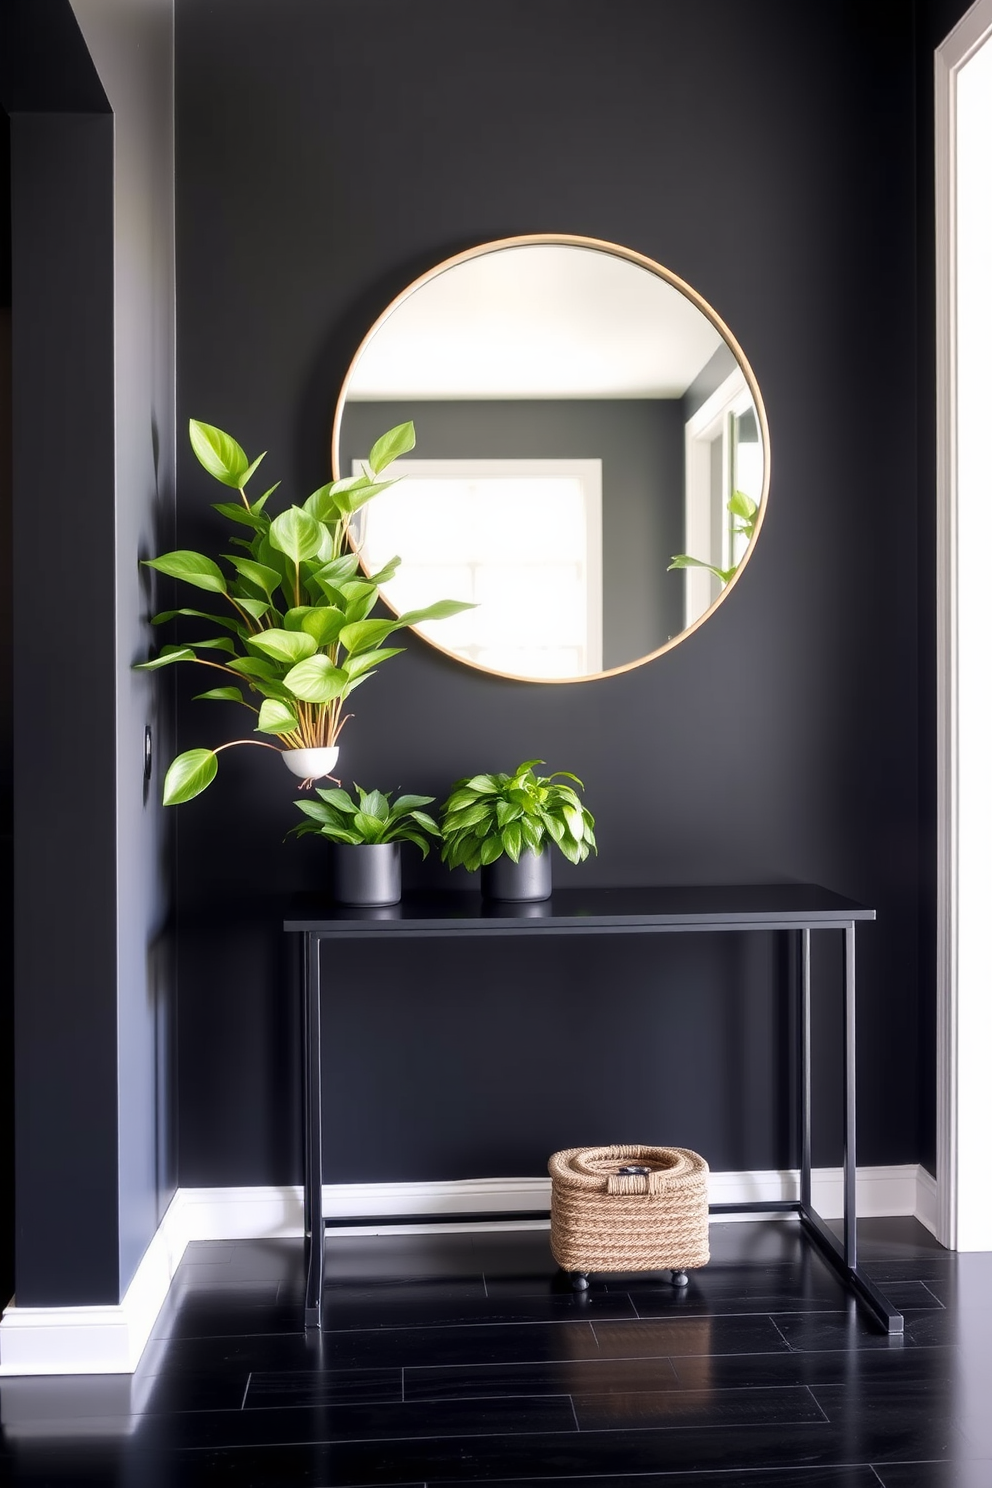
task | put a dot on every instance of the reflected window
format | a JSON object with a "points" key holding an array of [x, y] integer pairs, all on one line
{"points": [[723, 455], [519, 539]]}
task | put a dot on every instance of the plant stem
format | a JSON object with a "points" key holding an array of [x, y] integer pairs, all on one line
{"points": [[218, 666], [260, 742], [248, 619]]}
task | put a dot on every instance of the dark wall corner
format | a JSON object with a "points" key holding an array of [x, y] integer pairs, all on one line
{"points": [[94, 996], [6, 776]]}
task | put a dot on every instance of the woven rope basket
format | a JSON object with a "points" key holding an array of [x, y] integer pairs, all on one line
{"points": [[602, 1220]]}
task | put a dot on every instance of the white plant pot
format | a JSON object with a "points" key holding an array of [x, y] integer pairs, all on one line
{"points": [[310, 764]]}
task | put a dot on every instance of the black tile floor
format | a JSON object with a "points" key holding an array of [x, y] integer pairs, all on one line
{"points": [[457, 1359]]}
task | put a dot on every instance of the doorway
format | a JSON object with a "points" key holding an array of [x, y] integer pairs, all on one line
{"points": [[963, 98]]}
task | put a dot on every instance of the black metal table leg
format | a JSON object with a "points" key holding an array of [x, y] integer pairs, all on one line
{"points": [[850, 1106], [805, 1076], [313, 1205], [842, 1257]]}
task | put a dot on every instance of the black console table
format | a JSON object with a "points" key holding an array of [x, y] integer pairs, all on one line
{"points": [[795, 909]]}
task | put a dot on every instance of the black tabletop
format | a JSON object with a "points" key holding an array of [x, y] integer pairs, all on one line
{"points": [[728, 907]]}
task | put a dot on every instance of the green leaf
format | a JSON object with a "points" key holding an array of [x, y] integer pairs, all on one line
{"points": [[532, 833], [362, 635], [341, 834], [176, 653], [256, 506], [235, 512], [507, 811], [408, 836], [219, 454], [247, 474], [439, 611], [275, 717], [322, 506], [253, 666], [555, 827], [339, 798], [259, 574], [410, 803], [318, 811], [469, 817], [316, 680], [460, 798], [511, 839], [682, 560], [573, 820], [293, 618], [741, 505], [395, 442], [338, 571], [295, 533], [353, 590], [572, 849], [427, 822], [490, 850], [359, 492], [188, 775], [222, 620], [386, 573], [370, 827], [254, 607], [374, 804], [192, 567], [482, 784], [216, 643], [220, 695], [324, 623], [355, 666], [284, 645]]}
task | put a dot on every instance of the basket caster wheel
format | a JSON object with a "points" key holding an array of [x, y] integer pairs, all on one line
{"points": [[580, 1281], [679, 1279]]}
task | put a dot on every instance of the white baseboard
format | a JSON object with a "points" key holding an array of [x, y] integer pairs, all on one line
{"points": [[926, 1200], [96, 1340], [110, 1340]]}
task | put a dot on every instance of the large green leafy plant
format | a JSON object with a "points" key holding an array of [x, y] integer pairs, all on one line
{"points": [[368, 818], [297, 636], [489, 815]]}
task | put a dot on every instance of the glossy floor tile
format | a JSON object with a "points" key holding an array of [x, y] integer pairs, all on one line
{"points": [[457, 1359]]}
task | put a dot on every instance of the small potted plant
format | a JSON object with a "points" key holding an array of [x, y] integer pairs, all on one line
{"points": [[365, 833], [298, 632], [503, 823]]}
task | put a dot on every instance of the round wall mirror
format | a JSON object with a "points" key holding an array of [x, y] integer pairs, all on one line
{"points": [[591, 467]]}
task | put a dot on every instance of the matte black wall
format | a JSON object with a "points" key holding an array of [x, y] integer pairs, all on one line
{"points": [[66, 984], [6, 746], [92, 470], [131, 45], [641, 442], [328, 152]]}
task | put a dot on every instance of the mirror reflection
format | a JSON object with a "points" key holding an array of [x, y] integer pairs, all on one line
{"points": [[591, 465]]}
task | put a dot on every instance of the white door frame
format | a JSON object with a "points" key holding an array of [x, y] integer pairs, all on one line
{"points": [[960, 45], [708, 423]]}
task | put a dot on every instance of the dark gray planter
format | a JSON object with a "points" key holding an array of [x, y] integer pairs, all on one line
{"points": [[369, 874], [527, 880]]}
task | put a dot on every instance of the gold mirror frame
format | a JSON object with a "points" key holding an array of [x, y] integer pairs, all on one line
{"points": [[599, 245]]}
